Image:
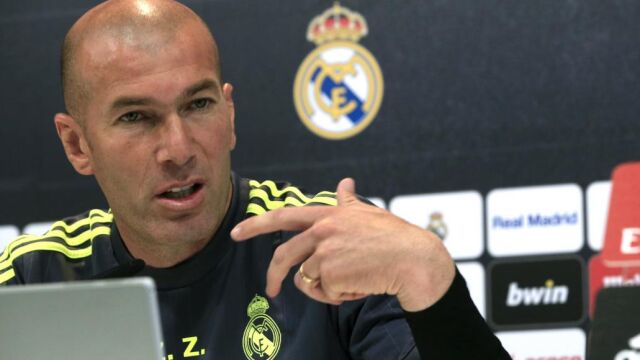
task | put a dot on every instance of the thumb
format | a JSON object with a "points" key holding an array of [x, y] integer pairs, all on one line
{"points": [[346, 192]]}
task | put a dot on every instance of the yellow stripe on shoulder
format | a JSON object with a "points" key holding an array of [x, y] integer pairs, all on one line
{"points": [[99, 224], [94, 216], [276, 192], [47, 244], [7, 275], [274, 197], [255, 209], [40, 246]]}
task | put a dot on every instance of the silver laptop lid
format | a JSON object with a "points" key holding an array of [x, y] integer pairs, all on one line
{"points": [[98, 320]]}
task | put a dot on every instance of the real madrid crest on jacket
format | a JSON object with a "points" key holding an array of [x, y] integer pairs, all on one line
{"points": [[262, 335], [338, 88]]}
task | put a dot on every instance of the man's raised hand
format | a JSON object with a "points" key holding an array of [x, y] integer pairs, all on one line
{"points": [[353, 250]]}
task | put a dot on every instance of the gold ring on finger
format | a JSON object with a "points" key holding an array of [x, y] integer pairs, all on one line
{"points": [[306, 278]]}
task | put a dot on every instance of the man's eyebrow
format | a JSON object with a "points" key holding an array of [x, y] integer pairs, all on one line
{"points": [[126, 101], [205, 84]]}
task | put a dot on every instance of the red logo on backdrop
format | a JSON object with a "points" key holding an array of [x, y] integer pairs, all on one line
{"points": [[622, 238], [619, 263], [602, 276]]}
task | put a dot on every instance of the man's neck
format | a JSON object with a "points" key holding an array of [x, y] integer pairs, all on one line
{"points": [[161, 255]]}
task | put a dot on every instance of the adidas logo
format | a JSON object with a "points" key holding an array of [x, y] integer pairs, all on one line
{"points": [[549, 294]]}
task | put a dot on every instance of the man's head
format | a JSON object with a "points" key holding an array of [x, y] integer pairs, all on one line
{"points": [[136, 23], [150, 118]]}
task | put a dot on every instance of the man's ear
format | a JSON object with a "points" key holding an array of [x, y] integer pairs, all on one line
{"points": [[227, 91], [74, 142]]}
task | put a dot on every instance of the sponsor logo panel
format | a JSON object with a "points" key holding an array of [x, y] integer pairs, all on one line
{"points": [[602, 276], [7, 234], [598, 194], [535, 220], [562, 344], [533, 293], [633, 352], [615, 331], [473, 273], [456, 217]]}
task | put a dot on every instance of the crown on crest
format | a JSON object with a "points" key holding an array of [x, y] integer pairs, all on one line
{"points": [[337, 23], [436, 216], [257, 306]]}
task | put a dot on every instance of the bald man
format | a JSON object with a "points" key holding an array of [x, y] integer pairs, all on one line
{"points": [[244, 268]]}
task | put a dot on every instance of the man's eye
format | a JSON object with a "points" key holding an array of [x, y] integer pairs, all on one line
{"points": [[201, 104], [131, 117]]}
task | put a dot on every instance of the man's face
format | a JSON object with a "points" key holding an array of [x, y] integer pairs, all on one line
{"points": [[158, 131]]}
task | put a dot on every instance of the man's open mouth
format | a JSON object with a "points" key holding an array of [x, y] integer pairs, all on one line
{"points": [[181, 192]]}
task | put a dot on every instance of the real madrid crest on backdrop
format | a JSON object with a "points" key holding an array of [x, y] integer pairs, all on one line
{"points": [[338, 88], [437, 225]]}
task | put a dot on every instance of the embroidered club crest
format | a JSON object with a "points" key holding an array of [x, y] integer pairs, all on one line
{"points": [[262, 338]]}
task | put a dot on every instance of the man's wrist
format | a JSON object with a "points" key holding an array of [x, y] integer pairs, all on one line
{"points": [[454, 316], [428, 278]]}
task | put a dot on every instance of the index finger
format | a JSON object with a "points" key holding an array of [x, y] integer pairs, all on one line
{"points": [[283, 219]]}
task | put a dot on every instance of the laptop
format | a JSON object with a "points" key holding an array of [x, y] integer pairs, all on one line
{"points": [[97, 320]]}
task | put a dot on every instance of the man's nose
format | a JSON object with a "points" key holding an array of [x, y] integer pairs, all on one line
{"points": [[177, 146]]}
